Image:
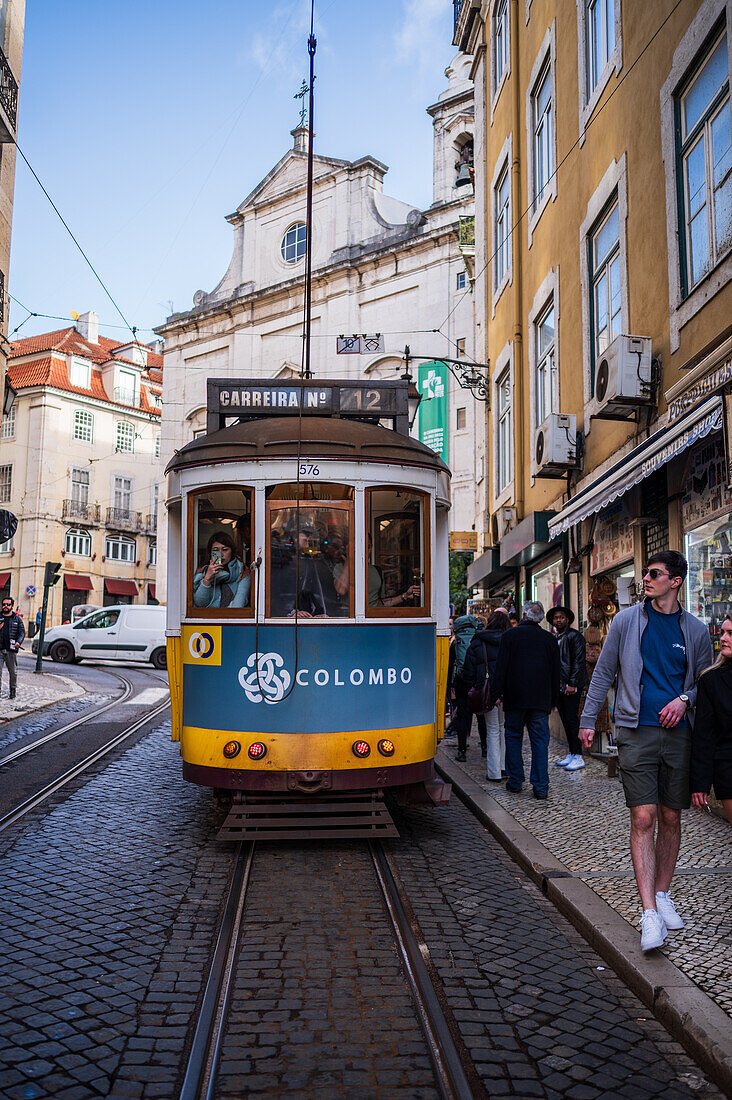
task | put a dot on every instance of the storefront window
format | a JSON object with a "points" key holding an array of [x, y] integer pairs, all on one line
{"points": [[309, 558], [547, 586], [221, 535], [709, 581], [397, 580]]}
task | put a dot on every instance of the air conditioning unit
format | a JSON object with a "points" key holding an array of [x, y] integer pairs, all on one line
{"points": [[555, 445], [623, 376]]}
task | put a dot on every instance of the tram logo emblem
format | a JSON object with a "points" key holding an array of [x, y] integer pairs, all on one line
{"points": [[264, 678], [202, 647]]}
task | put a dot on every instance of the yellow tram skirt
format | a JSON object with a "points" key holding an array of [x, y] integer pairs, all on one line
{"points": [[308, 751]]}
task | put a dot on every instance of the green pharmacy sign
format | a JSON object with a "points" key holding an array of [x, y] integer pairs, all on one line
{"points": [[432, 382]]}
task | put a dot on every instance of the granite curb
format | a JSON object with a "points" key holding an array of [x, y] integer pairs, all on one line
{"points": [[691, 1016], [52, 688]]}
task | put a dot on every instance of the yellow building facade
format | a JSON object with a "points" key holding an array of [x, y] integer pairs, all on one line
{"points": [[603, 297]]}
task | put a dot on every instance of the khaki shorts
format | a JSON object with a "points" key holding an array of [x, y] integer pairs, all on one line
{"points": [[654, 765]]}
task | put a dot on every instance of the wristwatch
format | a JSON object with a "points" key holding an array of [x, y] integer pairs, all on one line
{"points": [[684, 699]]}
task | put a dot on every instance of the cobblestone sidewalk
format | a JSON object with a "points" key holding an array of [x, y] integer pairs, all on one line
{"points": [[585, 824], [35, 692]]}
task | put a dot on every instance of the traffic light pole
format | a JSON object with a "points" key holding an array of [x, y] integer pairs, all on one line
{"points": [[50, 577]]}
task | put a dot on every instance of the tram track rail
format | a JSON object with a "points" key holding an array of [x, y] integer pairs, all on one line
{"points": [[38, 797], [199, 1082]]}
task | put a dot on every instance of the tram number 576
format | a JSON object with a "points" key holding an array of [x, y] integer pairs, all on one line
{"points": [[307, 469]]}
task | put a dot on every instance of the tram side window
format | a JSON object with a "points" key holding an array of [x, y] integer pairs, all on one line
{"points": [[221, 522], [396, 558], [309, 558]]}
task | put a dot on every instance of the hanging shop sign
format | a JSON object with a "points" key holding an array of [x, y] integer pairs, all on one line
{"points": [[613, 538], [464, 540], [701, 389], [432, 382], [706, 492]]}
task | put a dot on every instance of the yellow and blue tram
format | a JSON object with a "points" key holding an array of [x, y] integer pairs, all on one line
{"points": [[308, 592]]}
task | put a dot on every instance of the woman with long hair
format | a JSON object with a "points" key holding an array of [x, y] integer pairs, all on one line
{"points": [[711, 739], [479, 663], [223, 580]]}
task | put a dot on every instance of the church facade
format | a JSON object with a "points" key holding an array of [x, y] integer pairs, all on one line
{"points": [[379, 266]]}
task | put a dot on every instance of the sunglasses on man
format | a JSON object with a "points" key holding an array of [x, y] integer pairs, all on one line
{"points": [[654, 574]]}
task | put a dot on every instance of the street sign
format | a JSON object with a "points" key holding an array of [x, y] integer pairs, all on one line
{"points": [[464, 540], [364, 344], [30, 590]]}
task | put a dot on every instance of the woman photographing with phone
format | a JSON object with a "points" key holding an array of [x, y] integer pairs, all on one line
{"points": [[223, 581], [711, 742]]}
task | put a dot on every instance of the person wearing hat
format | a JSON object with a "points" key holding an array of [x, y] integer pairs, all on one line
{"points": [[572, 676]]}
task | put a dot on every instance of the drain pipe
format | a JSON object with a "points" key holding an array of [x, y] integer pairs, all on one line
{"points": [[518, 375]]}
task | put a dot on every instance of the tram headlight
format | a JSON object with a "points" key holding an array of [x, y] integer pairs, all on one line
{"points": [[362, 749], [231, 749], [386, 747], [257, 751]]}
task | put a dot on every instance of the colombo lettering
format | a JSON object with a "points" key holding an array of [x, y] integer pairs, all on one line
{"points": [[357, 676]]}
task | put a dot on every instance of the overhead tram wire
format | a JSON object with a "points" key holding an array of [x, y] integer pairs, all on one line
{"points": [[66, 226], [569, 152]]}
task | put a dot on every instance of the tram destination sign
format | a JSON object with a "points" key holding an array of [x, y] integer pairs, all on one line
{"points": [[248, 398]]}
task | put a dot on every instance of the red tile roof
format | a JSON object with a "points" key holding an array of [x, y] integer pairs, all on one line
{"points": [[52, 370]]}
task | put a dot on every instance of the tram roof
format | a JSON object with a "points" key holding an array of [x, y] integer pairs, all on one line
{"points": [[314, 436]]}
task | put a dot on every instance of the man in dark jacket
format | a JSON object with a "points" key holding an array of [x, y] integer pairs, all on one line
{"points": [[12, 634], [572, 677], [526, 680]]}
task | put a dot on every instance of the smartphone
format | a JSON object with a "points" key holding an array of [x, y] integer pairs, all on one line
{"points": [[215, 557]]}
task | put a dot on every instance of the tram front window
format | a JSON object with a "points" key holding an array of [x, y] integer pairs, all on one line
{"points": [[221, 521], [396, 560], [309, 555]]}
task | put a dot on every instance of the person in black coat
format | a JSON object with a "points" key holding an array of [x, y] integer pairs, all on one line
{"points": [[572, 678], [711, 737], [526, 681], [480, 662]]}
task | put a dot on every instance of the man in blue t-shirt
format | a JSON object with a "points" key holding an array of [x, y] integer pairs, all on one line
{"points": [[657, 651]]}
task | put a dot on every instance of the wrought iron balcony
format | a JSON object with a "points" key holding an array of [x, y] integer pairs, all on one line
{"points": [[81, 510], [152, 523], [8, 100], [122, 519], [124, 395]]}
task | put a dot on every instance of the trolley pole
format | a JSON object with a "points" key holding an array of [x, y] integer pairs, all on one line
{"points": [[50, 577]]}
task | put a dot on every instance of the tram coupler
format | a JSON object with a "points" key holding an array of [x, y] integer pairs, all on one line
{"points": [[309, 782]]}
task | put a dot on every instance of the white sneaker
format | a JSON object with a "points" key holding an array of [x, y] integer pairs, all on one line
{"points": [[563, 763], [653, 930], [667, 912], [575, 763]]}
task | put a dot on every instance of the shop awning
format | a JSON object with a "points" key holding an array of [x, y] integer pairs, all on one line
{"points": [[77, 583], [648, 456], [151, 590], [487, 569], [117, 587], [528, 540], [4, 578]]}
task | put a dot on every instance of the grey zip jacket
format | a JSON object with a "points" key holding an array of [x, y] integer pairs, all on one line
{"points": [[621, 656]]}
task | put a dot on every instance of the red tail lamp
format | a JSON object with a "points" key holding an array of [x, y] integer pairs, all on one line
{"points": [[386, 747], [361, 749], [231, 749], [257, 751]]}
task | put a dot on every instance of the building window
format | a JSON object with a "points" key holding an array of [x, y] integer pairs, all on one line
{"points": [[500, 43], [504, 416], [461, 419], [152, 552], [705, 164], [294, 243], [460, 347], [6, 547], [157, 444], [122, 492], [83, 426], [502, 228], [120, 548], [605, 312], [125, 437], [126, 389], [80, 374], [545, 366], [600, 29], [462, 280], [543, 139], [8, 429], [6, 482], [80, 486], [78, 542]]}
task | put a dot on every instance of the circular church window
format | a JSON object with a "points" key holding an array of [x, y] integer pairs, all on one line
{"points": [[293, 243]]}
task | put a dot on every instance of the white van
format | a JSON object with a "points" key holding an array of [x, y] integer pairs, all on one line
{"points": [[132, 631]]}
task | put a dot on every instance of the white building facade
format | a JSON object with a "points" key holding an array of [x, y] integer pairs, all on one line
{"points": [[379, 266]]}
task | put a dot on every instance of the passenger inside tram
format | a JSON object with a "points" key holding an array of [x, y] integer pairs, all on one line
{"points": [[395, 558], [307, 556], [222, 530]]}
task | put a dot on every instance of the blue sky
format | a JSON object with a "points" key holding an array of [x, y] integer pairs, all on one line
{"points": [[149, 121]]}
